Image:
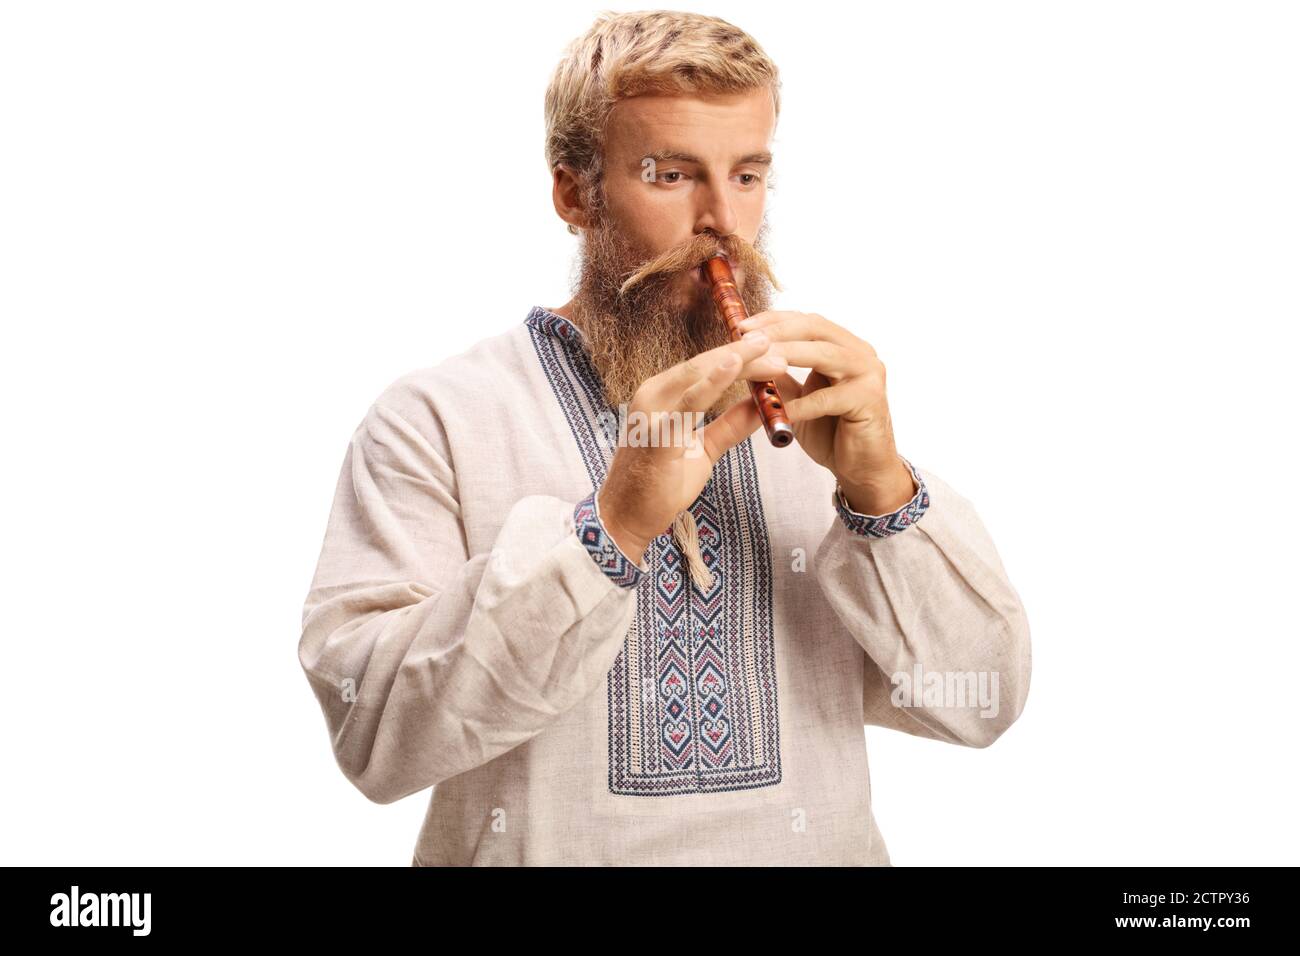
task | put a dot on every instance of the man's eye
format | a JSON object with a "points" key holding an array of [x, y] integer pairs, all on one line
{"points": [[754, 177], [672, 172]]}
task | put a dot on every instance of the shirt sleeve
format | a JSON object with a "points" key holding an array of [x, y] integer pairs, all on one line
{"points": [[600, 544], [882, 526], [925, 593], [428, 661]]}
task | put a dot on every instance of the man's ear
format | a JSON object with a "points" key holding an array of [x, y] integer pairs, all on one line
{"points": [[566, 193]]}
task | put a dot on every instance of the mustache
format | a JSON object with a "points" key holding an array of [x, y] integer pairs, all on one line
{"points": [[691, 254]]}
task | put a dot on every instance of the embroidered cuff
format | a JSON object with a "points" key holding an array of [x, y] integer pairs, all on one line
{"points": [[621, 569], [881, 526]]}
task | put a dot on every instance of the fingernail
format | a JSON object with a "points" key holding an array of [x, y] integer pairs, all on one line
{"points": [[754, 335]]}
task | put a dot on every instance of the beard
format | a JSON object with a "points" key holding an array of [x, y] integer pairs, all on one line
{"points": [[640, 314]]}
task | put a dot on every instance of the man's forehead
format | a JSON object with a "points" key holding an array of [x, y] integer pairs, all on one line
{"points": [[687, 127]]}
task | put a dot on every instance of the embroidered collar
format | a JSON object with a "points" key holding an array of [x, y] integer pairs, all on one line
{"points": [[546, 321]]}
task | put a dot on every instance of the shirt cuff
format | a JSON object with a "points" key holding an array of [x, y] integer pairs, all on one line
{"points": [[882, 526], [600, 544]]}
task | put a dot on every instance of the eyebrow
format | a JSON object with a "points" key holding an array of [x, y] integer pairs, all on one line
{"points": [[763, 158]]}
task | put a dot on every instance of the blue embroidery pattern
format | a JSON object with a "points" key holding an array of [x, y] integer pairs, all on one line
{"points": [[882, 526], [609, 557], [692, 694]]}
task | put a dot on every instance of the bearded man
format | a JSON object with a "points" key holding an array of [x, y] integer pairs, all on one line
{"points": [[603, 650]]}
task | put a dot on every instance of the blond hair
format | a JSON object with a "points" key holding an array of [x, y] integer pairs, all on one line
{"points": [[648, 52]]}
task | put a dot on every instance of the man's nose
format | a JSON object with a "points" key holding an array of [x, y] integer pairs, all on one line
{"points": [[717, 214]]}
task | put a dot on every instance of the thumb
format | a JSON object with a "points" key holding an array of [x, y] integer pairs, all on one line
{"points": [[730, 428]]}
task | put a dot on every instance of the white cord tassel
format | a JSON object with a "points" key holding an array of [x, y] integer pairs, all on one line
{"points": [[688, 540]]}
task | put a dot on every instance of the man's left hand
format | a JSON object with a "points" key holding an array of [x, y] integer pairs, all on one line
{"points": [[840, 413]]}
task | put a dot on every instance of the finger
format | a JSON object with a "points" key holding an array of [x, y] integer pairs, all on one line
{"points": [[763, 368], [780, 318], [784, 326], [730, 428], [846, 399], [668, 385], [831, 359], [763, 319], [709, 387]]}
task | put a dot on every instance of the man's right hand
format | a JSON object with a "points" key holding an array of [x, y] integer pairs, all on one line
{"points": [[648, 485]]}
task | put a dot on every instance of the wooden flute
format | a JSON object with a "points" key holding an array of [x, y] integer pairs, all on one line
{"points": [[727, 298]]}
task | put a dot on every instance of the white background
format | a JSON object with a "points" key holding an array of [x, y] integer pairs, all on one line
{"points": [[1070, 230]]}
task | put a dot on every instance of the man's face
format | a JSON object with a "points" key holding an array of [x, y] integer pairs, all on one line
{"points": [[683, 176]]}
